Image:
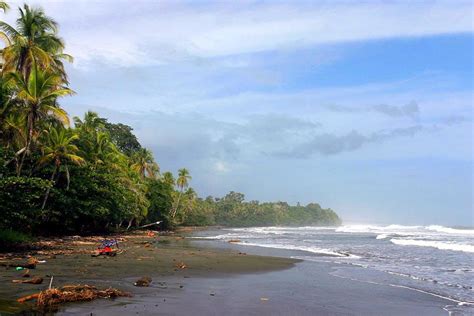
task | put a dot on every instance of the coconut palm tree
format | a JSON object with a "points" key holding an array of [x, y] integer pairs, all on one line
{"points": [[182, 182], [168, 178], [33, 42], [183, 179], [38, 94], [59, 149], [4, 6], [91, 122], [144, 164]]}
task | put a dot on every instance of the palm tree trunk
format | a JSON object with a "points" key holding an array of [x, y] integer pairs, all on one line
{"points": [[177, 204], [130, 223], [49, 189], [28, 144]]}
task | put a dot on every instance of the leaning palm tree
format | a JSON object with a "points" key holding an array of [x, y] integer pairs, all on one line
{"points": [[34, 41], [59, 149], [38, 96], [144, 164], [182, 182]]}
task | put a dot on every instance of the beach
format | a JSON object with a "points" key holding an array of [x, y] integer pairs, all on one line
{"points": [[218, 278]]}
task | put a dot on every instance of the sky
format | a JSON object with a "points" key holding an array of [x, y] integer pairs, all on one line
{"points": [[365, 107]]}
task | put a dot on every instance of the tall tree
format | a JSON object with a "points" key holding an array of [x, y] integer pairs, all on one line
{"points": [[60, 150], [38, 94], [144, 164], [182, 182], [34, 41], [168, 178]]}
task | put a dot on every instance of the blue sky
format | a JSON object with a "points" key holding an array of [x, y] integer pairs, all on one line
{"points": [[364, 107]]}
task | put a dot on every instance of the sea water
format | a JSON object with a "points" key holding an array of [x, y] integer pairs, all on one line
{"points": [[434, 259]]}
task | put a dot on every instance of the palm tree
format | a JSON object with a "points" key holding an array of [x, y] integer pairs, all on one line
{"points": [[182, 182], [91, 122], [168, 178], [59, 149], [4, 6], [38, 95], [144, 164], [33, 42]]}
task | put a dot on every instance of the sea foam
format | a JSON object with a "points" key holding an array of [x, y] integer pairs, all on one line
{"points": [[434, 244]]}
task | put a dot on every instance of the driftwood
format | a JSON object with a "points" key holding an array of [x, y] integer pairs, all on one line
{"points": [[51, 298], [35, 280], [28, 298], [31, 264]]}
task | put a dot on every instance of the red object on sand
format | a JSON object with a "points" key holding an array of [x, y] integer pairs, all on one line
{"points": [[105, 250]]}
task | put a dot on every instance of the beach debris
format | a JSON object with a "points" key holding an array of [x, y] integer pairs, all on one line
{"points": [[242, 253], [49, 299], [212, 294], [30, 264], [181, 265], [32, 261], [151, 224], [35, 280], [143, 282], [28, 298], [106, 251], [106, 248], [150, 233], [234, 240], [264, 299]]}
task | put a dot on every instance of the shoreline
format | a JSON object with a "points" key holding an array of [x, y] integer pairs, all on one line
{"points": [[69, 261], [221, 278]]}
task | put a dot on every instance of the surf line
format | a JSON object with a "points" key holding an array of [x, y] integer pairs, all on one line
{"points": [[460, 303]]}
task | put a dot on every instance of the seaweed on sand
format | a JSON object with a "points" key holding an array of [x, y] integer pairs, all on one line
{"points": [[50, 299]]}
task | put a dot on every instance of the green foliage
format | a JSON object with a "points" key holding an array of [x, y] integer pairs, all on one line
{"points": [[10, 238], [21, 199], [232, 210], [121, 135], [160, 195], [94, 177]]}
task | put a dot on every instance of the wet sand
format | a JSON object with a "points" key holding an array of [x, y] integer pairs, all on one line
{"points": [[157, 257], [217, 282]]}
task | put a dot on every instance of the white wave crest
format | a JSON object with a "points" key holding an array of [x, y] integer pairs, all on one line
{"points": [[448, 230], [315, 250], [433, 244], [405, 230]]}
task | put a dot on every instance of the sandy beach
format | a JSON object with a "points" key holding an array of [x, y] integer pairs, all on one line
{"points": [[226, 280]]}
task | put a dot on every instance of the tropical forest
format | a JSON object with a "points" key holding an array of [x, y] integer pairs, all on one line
{"points": [[87, 175]]}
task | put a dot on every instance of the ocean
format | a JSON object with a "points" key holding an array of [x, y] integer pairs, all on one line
{"points": [[433, 259]]}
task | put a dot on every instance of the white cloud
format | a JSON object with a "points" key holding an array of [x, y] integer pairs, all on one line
{"points": [[221, 167], [145, 32]]}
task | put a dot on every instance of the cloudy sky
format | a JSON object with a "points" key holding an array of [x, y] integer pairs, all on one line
{"points": [[365, 108]]}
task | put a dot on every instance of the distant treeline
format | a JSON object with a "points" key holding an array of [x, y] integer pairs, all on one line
{"points": [[232, 210]]}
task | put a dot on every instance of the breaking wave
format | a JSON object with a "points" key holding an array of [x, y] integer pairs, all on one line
{"points": [[434, 244], [315, 250]]}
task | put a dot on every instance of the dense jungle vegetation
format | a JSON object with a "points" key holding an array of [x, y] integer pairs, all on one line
{"points": [[87, 175]]}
